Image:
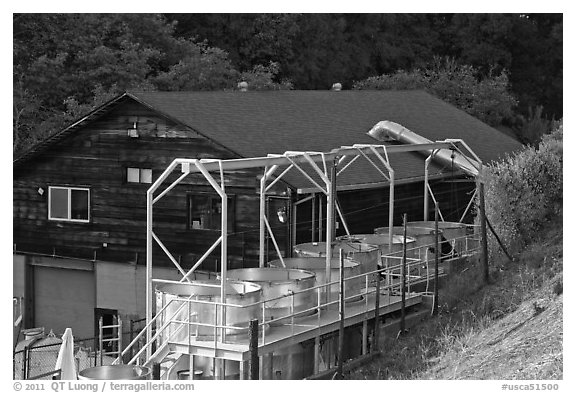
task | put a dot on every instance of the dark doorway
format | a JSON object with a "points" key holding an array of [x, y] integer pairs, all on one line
{"points": [[109, 318]]}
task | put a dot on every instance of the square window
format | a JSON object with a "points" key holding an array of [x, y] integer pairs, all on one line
{"points": [[138, 175], [133, 175], [69, 204], [59, 203], [79, 204], [146, 176]]}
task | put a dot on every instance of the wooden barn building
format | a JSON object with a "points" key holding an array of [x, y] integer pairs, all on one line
{"points": [[79, 197]]}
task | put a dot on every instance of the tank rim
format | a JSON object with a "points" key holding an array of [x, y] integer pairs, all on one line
{"points": [[346, 260], [257, 288], [311, 275]]}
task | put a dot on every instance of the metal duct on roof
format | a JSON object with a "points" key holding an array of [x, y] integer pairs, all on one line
{"points": [[386, 130]]}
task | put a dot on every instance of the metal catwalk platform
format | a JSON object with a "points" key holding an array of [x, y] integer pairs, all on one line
{"points": [[304, 328]]}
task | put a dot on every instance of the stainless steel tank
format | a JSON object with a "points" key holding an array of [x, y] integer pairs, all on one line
{"points": [[238, 293], [382, 242], [116, 372], [455, 232], [278, 284], [366, 255], [424, 238], [352, 287], [295, 361]]}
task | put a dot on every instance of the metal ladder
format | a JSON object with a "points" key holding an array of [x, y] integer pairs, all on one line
{"points": [[115, 337]]}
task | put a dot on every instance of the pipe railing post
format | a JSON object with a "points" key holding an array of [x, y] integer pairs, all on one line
{"points": [[253, 348], [377, 316], [100, 339], [156, 371], [25, 362], [120, 339]]}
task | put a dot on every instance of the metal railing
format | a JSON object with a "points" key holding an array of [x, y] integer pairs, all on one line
{"points": [[188, 327]]}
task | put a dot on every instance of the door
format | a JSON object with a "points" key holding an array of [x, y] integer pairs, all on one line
{"points": [[64, 298]]}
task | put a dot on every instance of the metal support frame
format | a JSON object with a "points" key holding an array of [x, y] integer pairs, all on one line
{"points": [[327, 172], [475, 169]]}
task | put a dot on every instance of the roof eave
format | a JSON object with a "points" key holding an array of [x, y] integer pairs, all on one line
{"points": [[44, 144]]}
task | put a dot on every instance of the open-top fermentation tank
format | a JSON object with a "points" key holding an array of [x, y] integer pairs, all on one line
{"points": [[366, 255], [197, 302], [381, 241], [423, 236], [352, 287], [284, 290], [116, 372], [455, 232]]}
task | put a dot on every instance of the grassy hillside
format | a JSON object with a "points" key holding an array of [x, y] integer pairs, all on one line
{"points": [[509, 329]]}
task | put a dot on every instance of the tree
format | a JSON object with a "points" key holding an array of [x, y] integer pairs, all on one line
{"points": [[201, 68], [67, 64], [263, 78], [529, 46], [486, 98], [60, 60]]}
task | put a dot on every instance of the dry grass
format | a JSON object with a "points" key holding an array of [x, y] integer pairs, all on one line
{"points": [[509, 329], [526, 344]]}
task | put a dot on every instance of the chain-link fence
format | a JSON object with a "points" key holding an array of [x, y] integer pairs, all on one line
{"points": [[39, 361]]}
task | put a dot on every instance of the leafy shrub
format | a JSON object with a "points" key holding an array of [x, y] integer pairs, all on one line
{"points": [[535, 125], [525, 190]]}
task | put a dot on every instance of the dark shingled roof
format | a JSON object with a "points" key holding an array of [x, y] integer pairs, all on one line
{"points": [[256, 123]]}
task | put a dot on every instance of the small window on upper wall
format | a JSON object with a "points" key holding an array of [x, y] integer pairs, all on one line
{"points": [[69, 204], [138, 175]]}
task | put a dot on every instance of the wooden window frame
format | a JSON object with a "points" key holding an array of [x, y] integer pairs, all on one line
{"points": [[69, 207], [139, 175]]}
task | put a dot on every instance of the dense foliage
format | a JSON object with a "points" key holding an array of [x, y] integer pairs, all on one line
{"points": [[316, 50], [525, 191], [485, 97], [65, 64]]}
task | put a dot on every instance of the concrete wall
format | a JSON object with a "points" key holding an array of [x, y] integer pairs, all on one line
{"points": [[118, 286], [122, 286]]}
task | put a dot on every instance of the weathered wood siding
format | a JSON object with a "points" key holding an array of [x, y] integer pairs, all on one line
{"points": [[96, 156], [365, 210]]}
